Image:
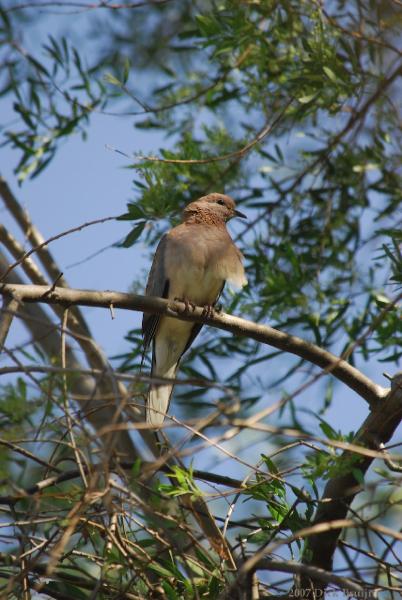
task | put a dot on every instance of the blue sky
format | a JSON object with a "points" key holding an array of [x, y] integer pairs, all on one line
{"points": [[86, 181]]}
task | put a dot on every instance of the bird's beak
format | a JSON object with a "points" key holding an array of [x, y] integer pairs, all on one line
{"points": [[240, 214]]}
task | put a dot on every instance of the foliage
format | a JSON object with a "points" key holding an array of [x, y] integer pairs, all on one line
{"points": [[291, 107]]}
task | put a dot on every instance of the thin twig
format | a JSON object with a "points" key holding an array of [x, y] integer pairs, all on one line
{"points": [[52, 239], [267, 129], [84, 5], [69, 420]]}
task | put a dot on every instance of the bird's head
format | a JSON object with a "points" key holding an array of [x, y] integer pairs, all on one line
{"points": [[216, 206]]}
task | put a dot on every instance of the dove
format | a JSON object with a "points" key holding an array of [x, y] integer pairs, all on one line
{"points": [[192, 263]]}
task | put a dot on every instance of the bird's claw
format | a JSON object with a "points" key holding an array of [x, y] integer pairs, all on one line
{"points": [[188, 306], [208, 311]]}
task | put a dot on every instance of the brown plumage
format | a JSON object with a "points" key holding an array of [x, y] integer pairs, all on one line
{"points": [[192, 262]]}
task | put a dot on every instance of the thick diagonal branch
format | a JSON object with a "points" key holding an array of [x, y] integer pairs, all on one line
{"points": [[340, 491], [47, 336], [34, 236], [330, 363]]}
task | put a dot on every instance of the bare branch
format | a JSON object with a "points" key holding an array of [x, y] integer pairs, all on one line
{"points": [[106, 414], [392, 466], [52, 239], [27, 454], [74, 473], [76, 323], [84, 387], [9, 310], [340, 491], [327, 361], [262, 134], [30, 231], [84, 5]]}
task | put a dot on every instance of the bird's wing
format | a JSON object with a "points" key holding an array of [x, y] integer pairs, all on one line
{"points": [[157, 285], [198, 326], [166, 366]]}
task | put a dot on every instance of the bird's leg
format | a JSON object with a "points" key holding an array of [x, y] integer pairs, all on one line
{"points": [[208, 310], [188, 305]]}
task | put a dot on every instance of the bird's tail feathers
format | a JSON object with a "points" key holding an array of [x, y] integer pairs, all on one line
{"points": [[159, 398]]}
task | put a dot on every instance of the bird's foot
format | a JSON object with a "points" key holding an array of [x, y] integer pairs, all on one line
{"points": [[208, 311], [189, 306]]}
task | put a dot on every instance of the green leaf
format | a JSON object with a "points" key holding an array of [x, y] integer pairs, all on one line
{"points": [[170, 591], [162, 570], [133, 236], [306, 99], [381, 299], [136, 468], [328, 430], [110, 78], [358, 475], [134, 212], [270, 464], [126, 70], [330, 74]]}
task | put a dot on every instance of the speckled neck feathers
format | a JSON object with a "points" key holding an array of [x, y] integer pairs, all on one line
{"points": [[203, 217]]}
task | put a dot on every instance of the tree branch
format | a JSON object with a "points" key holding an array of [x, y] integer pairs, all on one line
{"points": [[30, 231], [100, 386], [47, 336], [262, 134], [327, 361], [102, 414], [75, 473], [85, 5], [39, 244], [340, 491], [8, 312]]}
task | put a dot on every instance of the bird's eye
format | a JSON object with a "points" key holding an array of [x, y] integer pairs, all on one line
{"points": [[221, 202]]}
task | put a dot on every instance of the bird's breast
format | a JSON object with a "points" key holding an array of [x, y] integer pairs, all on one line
{"points": [[198, 263], [196, 283]]}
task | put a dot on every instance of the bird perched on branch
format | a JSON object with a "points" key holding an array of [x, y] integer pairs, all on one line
{"points": [[192, 263]]}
